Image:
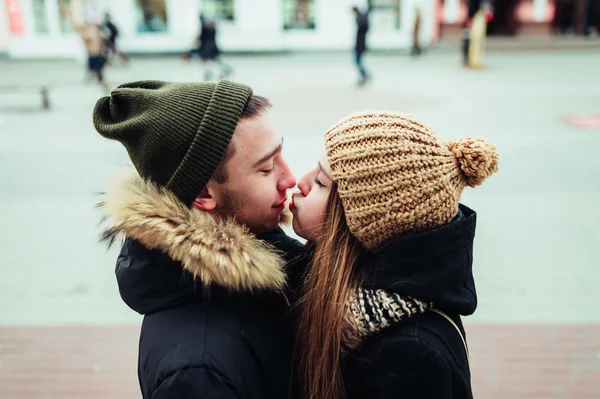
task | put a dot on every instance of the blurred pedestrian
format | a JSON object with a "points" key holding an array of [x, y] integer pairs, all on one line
{"points": [[416, 47], [362, 27], [110, 33], [475, 33], [473, 7], [89, 33], [208, 50]]}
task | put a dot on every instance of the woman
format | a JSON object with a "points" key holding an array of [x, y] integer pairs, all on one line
{"points": [[391, 273]]}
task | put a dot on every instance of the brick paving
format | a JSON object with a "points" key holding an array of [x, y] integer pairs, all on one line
{"points": [[535, 361], [68, 362], [507, 361]]}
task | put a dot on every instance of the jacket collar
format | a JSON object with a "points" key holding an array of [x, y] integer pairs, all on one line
{"points": [[434, 266], [214, 250]]}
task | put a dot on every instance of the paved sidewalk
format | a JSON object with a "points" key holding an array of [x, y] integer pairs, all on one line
{"points": [[537, 218], [65, 333]]}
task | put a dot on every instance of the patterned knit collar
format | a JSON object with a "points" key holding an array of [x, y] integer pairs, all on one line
{"points": [[371, 311]]}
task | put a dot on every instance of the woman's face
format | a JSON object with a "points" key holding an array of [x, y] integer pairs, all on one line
{"points": [[309, 204]]}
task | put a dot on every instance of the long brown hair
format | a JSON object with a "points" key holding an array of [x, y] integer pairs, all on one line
{"points": [[333, 276]]}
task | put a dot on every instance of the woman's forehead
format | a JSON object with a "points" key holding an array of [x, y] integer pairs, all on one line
{"points": [[323, 161], [324, 165]]}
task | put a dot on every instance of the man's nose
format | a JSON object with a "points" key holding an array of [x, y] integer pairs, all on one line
{"points": [[287, 180]]}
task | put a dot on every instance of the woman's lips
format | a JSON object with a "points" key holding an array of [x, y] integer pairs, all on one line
{"points": [[292, 204]]}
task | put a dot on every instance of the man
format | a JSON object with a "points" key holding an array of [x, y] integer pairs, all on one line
{"points": [[209, 51], [110, 33], [362, 27], [210, 179], [206, 47]]}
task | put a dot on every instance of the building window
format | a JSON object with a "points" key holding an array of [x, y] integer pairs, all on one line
{"points": [[63, 14], [298, 14], [385, 14], [40, 17], [151, 16], [218, 9]]}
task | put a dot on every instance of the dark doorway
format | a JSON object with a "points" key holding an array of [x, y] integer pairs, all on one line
{"points": [[505, 21]]}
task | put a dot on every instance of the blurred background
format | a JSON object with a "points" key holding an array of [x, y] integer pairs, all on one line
{"points": [[525, 74]]}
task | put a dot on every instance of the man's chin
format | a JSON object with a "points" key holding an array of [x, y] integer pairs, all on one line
{"points": [[271, 226], [260, 228]]}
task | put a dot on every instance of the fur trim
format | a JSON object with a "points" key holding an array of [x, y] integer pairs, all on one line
{"points": [[214, 250]]}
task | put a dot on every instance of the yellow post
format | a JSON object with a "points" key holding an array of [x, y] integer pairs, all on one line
{"points": [[477, 38]]}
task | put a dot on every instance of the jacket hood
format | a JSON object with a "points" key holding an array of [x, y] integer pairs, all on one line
{"points": [[150, 281], [434, 266], [165, 237]]}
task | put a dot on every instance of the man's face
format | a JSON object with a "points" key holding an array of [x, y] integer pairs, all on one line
{"points": [[258, 177]]}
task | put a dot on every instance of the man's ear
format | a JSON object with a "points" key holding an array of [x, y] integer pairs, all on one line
{"points": [[206, 201]]}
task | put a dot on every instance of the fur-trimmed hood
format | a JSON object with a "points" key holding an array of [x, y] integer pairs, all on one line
{"points": [[213, 250]]}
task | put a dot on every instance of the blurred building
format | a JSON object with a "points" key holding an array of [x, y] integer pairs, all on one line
{"points": [[41, 28], [526, 17]]}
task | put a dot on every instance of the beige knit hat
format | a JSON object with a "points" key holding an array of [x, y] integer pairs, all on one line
{"points": [[396, 177]]}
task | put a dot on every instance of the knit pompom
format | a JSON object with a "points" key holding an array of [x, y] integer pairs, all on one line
{"points": [[478, 158]]}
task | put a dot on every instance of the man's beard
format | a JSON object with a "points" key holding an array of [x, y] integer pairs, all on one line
{"points": [[232, 203]]}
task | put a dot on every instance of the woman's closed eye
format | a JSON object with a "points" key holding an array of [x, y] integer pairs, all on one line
{"points": [[316, 179]]}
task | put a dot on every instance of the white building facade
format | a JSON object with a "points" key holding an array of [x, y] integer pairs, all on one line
{"points": [[43, 29], [455, 11]]}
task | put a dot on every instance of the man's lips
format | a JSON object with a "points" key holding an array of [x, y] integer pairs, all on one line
{"points": [[281, 205]]}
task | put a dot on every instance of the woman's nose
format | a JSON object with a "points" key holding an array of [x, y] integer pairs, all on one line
{"points": [[304, 185]]}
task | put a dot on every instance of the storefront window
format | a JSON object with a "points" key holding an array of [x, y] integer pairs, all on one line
{"points": [[298, 14], [152, 16], [218, 9], [40, 17], [385, 14], [63, 15]]}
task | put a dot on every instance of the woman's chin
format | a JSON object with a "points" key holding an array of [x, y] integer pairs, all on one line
{"points": [[299, 230], [300, 234]]}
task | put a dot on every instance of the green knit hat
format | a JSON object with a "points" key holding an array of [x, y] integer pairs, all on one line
{"points": [[176, 134]]}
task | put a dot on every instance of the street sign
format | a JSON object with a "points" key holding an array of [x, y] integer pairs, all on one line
{"points": [[15, 17]]}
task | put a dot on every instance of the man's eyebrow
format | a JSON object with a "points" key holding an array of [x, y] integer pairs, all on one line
{"points": [[324, 171], [269, 155]]}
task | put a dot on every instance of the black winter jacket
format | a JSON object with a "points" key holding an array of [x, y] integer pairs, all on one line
{"points": [[213, 298], [422, 357]]}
